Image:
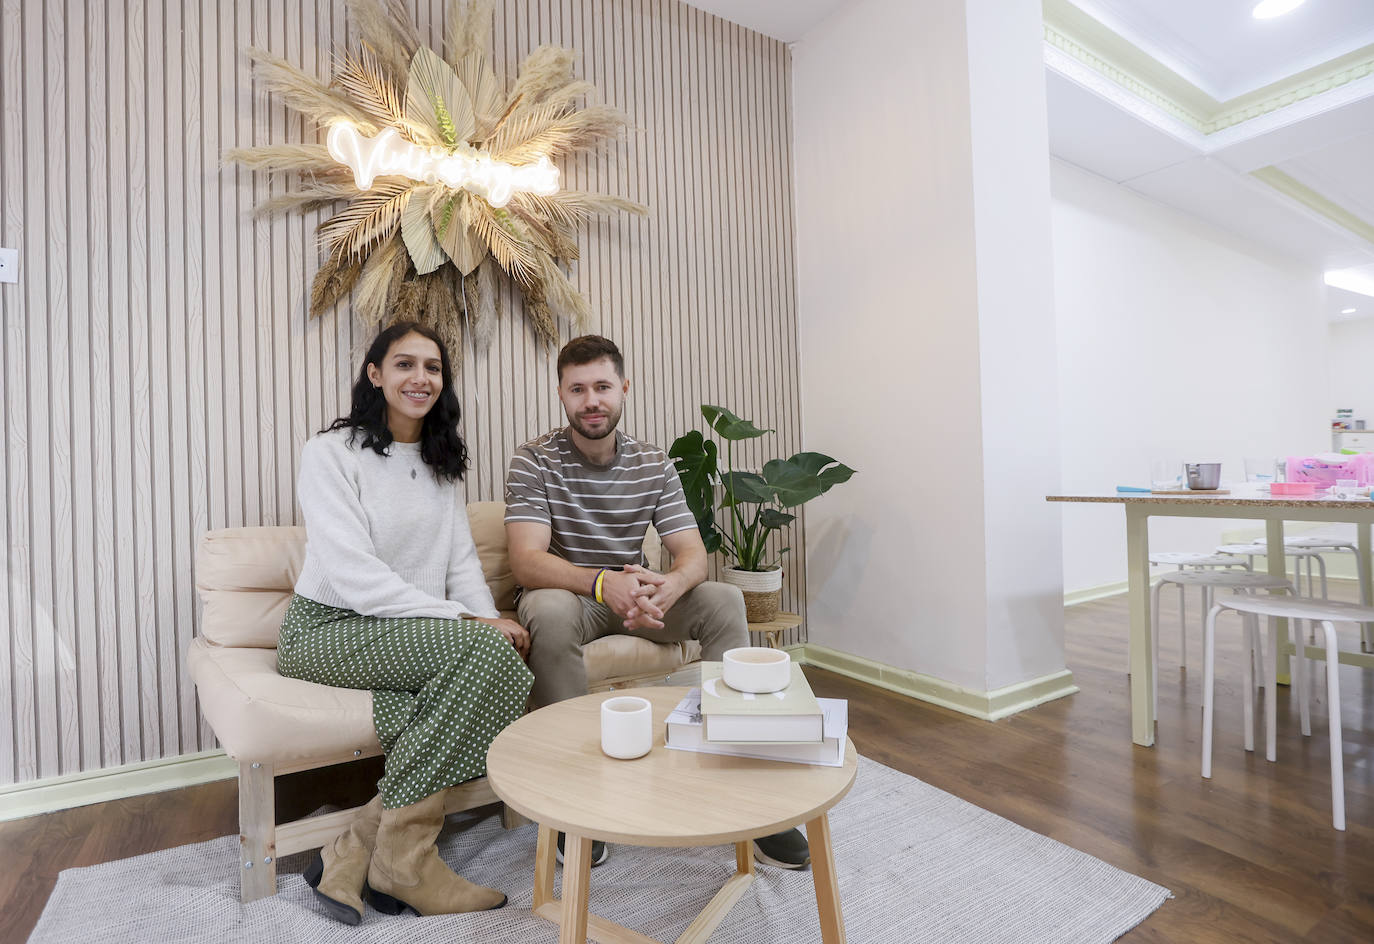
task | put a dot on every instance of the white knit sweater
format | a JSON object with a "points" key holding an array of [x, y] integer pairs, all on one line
{"points": [[385, 536]]}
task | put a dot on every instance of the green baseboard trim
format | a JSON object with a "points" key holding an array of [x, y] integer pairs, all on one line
{"points": [[987, 705], [114, 783]]}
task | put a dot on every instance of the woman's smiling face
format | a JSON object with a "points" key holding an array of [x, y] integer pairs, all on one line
{"points": [[410, 378]]}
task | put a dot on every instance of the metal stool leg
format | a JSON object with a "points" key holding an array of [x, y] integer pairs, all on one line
{"points": [[1333, 699], [1208, 666], [1154, 644], [1299, 674], [1248, 680], [1270, 699]]}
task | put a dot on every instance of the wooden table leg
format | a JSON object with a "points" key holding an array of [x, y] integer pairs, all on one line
{"points": [[544, 863], [827, 883], [1366, 572], [1278, 567], [744, 857], [1141, 647], [577, 868]]}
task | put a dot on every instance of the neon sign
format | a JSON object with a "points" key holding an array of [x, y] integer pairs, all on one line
{"points": [[463, 167]]}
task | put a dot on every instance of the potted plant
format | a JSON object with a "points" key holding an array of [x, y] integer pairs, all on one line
{"points": [[754, 504]]}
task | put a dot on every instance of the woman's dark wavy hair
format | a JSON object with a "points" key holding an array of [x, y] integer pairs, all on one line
{"points": [[440, 445]]}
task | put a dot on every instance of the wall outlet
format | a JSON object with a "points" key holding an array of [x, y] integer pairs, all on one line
{"points": [[9, 265]]}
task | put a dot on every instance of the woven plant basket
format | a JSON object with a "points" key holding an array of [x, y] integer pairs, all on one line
{"points": [[762, 591]]}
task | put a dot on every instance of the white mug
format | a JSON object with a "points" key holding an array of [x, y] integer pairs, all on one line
{"points": [[627, 726]]}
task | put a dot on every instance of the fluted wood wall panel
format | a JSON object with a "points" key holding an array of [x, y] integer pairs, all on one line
{"points": [[159, 371]]}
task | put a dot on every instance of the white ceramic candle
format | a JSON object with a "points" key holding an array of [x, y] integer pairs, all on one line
{"points": [[756, 669], [627, 726]]}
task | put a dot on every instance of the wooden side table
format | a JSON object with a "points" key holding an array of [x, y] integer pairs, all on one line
{"points": [[549, 766], [774, 628]]}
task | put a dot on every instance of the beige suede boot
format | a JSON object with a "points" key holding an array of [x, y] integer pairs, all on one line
{"points": [[340, 869], [406, 871]]}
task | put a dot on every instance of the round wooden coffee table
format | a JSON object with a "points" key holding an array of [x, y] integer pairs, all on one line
{"points": [[549, 767]]}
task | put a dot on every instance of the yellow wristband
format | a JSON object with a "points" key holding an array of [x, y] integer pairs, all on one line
{"points": [[596, 589]]}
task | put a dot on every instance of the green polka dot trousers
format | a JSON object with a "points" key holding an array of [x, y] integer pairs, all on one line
{"points": [[441, 689]]}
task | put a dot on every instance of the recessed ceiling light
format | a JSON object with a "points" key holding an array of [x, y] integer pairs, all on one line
{"points": [[1347, 311], [1358, 280], [1268, 9]]}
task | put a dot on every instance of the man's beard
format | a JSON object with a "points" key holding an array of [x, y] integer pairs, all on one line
{"points": [[612, 421]]}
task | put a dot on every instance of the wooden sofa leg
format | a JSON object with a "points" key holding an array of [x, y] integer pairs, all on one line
{"points": [[257, 832]]}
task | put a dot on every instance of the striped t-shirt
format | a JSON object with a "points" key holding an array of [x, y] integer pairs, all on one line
{"points": [[598, 514]]}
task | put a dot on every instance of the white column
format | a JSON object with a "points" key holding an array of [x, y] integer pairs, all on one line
{"points": [[927, 339]]}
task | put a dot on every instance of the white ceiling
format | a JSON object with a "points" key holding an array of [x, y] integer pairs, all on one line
{"points": [[1223, 50], [1324, 143], [787, 20]]}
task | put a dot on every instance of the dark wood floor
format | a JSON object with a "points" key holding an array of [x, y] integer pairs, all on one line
{"points": [[1249, 855]]}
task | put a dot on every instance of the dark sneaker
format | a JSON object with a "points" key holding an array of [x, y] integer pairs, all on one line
{"points": [[599, 851], [786, 850]]}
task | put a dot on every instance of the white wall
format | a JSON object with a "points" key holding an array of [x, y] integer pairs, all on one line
{"points": [[887, 305], [1011, 180], [924, 303], [1351, 344], [1175, 341]]}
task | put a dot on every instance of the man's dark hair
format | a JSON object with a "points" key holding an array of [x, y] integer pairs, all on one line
{"points": [[588, 349]]}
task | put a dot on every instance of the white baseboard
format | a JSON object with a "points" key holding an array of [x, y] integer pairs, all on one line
{"points": [[987, 705], [114, 783]]}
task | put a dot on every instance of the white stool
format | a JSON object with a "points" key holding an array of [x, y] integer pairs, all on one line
{"points": [[1316, 543], [1292, 608], [1207, 580], [1199, 560], [1299, 555]]}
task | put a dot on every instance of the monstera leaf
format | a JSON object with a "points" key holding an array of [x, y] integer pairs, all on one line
{"points": [[754, 504], [729, 426], [695, 458]]}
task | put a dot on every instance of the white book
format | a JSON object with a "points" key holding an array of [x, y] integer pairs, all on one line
{"points": [[685, 734], [731, 716]]}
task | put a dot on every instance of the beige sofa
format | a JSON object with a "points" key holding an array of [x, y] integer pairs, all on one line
{"points": [[273, 725]]}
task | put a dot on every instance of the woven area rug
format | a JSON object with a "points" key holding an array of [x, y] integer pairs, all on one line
{"points": [[915, 865]]}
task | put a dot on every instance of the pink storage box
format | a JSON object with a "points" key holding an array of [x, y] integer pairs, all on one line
{"points": [[1324, 469]]}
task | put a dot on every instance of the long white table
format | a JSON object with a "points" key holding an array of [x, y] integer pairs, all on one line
{"points": [[1140, 507]]}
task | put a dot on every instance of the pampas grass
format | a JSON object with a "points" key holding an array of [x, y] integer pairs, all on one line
{"points": [[333, 281], [305, 93], [411, 248], [386, 33], [284, 157]]}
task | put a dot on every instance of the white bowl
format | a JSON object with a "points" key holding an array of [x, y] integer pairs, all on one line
{"points": [[756, 669]]}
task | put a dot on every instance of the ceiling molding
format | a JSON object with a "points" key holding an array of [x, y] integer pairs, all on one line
{"points": [[1057, 39], [1083, 38], [1294, 189]]}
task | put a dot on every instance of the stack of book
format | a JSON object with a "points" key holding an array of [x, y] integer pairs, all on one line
{"points": [[791, 725]]}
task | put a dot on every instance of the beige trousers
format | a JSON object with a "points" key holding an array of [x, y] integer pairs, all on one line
{"points": [[561, 623]]}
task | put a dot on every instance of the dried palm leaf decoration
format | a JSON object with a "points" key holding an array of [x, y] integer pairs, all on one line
{"points": [[446, 180]]}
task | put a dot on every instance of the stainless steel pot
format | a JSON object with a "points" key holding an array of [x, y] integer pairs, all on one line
{"points": [[1203, 475]]}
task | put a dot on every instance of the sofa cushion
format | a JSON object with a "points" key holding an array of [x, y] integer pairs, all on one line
{"points": [[488, 523], [245, 577], [259, 715], [620, 656]]}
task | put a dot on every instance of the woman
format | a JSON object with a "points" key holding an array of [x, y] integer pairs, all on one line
{"points": [[391, 598]]}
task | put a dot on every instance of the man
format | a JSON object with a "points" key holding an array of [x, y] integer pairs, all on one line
{"points": [[579, 501]]}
